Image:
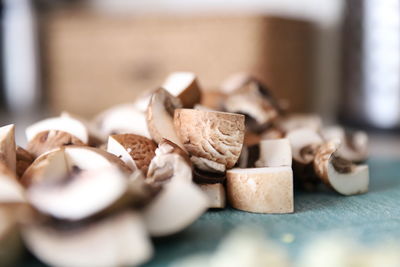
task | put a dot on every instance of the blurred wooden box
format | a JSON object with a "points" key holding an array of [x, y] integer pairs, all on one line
{"points": [[92, 61]]}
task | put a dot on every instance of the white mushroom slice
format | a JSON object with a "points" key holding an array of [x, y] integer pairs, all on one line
{"points": [[275, 153], [78, 196], [296, 121], [51, 165], [122, 119], [341, 175], [183, 85], [160, 116], [135, 150], [354, 146], [120, 240], [216, 195], [215, 137], [177, 206], [304, 142], [11, 191], [261, 190], [88, 158], [254, 100], [7, 146], [65, 124], [11, 247], [75, 182], [170, 162]]}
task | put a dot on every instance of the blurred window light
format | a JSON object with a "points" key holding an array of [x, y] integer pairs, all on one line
{"points": [[382, 62]]}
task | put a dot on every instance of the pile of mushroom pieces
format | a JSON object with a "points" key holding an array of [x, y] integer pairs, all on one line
{"points": [[93, 193]]}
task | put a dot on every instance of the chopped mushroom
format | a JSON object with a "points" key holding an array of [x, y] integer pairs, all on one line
{"points": [[254, 100], [176, 206], [341, 175], [120, 119], [216, 195], [261, 190], [135, 150], [185, 86], [160, 113], [275, 153], [66, 124], [120, 240], [49, 140], [213, 139], [354, 144], [75, 182], [170, 162]]}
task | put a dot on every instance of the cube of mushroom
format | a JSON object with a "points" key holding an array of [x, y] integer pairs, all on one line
{"points": [[261, 190], [275, 153]]}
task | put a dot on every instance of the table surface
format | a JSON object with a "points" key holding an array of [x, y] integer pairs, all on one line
{"points": [[371, 217]]}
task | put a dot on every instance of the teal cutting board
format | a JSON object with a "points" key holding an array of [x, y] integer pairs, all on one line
{"points": [[371, 217]]}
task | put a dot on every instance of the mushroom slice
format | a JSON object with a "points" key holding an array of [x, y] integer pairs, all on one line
{"points": [[170, 162], [160, 116], [275, 153], [296, 121], [215, 194], [10, 242], [213, 139], [86, 158], [75, 182], [120, 240], [185, 86], [76, 196], [65, 124], [24, 160], [135, 150], [7, 146], [11, 190], [124, 118], [354, 145], [49, 140], [341, 175], [304, 142], [254, 100], [261, 190], [177, 205]]}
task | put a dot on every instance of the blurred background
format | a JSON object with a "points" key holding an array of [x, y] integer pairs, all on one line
{"points": [[340, 59]]}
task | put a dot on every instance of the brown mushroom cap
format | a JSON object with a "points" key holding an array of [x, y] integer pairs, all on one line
{"points": [[214, 137], [140, 148]]}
